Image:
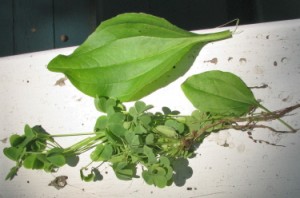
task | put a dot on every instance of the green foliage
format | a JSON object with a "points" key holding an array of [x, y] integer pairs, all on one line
{"points": [[30, 150], [159, 174], [219, 92], [103, 152], [130, 56]]}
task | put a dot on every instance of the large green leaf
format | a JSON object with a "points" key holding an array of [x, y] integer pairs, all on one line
{"points": [[219, 92], [132, 55]]}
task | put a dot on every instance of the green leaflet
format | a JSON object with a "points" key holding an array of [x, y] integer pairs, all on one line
{"points": [[132, 55], [219, 92]]}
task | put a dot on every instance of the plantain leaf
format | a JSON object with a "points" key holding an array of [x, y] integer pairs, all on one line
{"points": [[219, 92], [132, 55]]}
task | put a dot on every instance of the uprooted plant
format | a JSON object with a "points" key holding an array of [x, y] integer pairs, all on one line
{"points": [[127, 58]]}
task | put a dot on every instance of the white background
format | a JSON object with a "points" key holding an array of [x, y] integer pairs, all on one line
{"points": [[28, 95]]}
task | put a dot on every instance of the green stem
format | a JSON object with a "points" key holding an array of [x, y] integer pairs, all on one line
{"points": [[83, 143], [72, 134], [279, 119], [217, 36]]}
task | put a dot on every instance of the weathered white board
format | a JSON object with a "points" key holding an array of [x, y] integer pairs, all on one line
{"points": [[267, 53]]}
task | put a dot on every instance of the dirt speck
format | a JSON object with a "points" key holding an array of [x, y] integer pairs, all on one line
{"points": [[263, 86], [243, 60], [258, 70], [229, 59], [275, 63], [189, 188], [33, 29], [4, 140], [268, 36], [286, 99], [61, 82], [28, 182], [225, 144], [284, 60], [241, 148], [64, 38], [59, 182], [213, 61]]}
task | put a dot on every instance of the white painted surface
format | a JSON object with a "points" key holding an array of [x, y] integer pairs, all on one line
{"points": [[244, 169]]}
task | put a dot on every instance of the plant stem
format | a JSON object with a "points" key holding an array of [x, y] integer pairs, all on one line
{"points": [[217, 36], [83, 143], [279, 119], [72, 134]]}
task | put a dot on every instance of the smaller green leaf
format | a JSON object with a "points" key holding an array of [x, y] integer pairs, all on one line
{"points": [[168, 111], [150, 155], [42, 133], [32, 162], [139, 129], [142, 107], [101, 123], [13, 153], [135, 141], [133, 112], [124, 171], [103, 152], [57, 160], [150, 139], [12, 173], [147, 177], [100, 103], [87, 178], [29, 136], [29, 132], [116, 118], [156, 175], [139, 106], [160, 171], [38, 145], [112, 138], [219, 92], [166, 131], [108, 105], [164, 161], [170, 173], [115, 124], [56, 150], [104, 104], [49, 167], [160, 181], [118, 158], [117, 129], [15, 140], [179, 127], [145, 119]]}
